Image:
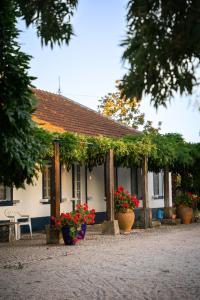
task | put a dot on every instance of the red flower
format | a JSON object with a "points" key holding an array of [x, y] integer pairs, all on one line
{"points": [[120, 189], [84, 219], [85, 206]]}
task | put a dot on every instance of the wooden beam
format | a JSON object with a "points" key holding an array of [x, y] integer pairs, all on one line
{"points": [[147, 213], [110, 185], [167, 208], [145, 183], [55, 181]]}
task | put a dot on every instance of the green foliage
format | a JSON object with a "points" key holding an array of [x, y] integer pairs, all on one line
{"points": [[122, 109], [162, 48], [51, 18], [22, 144], [126, 111], [18, 152], [187, 199], [172, 152], [72, 148], [131, 150], [190, 174], [168, 151]]}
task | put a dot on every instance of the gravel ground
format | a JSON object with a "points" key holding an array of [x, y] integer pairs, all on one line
{"points": [[161, 263]]}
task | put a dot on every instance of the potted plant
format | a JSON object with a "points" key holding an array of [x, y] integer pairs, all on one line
{"points": [[185, 203], [124, 204], [86, 217], [73, 224]]}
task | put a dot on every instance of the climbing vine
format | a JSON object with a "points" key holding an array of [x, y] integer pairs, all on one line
{"points": [[169, 150]]}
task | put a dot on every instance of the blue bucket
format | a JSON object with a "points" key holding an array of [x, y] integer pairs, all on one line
{"points": [[160, 214]]}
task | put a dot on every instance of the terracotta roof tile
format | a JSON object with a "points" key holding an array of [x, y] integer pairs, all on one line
{"points": [[65, 114]]}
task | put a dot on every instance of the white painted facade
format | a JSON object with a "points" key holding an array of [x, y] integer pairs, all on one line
{"points": [[30, 197]]}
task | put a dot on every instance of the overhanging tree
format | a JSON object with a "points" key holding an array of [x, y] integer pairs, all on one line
{"points": [[125, 110], [162, 48], [122, 109], [20, 149]]}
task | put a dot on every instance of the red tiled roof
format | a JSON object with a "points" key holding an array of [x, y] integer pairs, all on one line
{"points": [[68, 115]]}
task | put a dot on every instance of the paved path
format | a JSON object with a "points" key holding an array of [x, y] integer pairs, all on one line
{"points": [[147, 264]]}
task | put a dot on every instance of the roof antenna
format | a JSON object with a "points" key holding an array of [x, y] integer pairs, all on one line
{"points": [[59, 89]]}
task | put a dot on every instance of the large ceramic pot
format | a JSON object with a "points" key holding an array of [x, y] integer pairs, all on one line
{"points": [[68, 240], [125, 220], [185, 213]]}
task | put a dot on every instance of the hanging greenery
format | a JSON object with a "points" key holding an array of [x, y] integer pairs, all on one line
{"points": [[169, 150], [92, 151]]}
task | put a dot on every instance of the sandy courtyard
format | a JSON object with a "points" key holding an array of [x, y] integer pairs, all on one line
{"points": [[161, 263]]}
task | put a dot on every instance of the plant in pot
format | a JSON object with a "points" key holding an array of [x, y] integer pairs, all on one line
{"points": [[73, 224], [125, 204], [185, 202], [86, 217]]}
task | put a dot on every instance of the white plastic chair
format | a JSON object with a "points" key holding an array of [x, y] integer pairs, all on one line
{"points": [[19, 219]]}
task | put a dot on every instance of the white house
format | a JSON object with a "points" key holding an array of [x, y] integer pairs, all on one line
{"points": [[57, 113]]}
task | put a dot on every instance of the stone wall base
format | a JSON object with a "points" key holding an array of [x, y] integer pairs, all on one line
{"points": [[110, 227], [53, 236]]}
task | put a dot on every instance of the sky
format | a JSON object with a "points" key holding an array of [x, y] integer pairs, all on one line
{"points": [[90, 65]]}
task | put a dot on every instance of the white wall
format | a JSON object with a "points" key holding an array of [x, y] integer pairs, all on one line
{"points": [[96, 189], [31, 196], [153, 201]]}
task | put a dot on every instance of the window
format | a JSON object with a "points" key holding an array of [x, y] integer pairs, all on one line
{"points": [[46, 182], [158, 184], [6, 195], [134, 181], [76, 183]]}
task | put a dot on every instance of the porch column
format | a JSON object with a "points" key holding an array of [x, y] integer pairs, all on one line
{"points": [[167, 208], [110, 185], [53, 236], [55, 181], [110, 226], [146, 211]]}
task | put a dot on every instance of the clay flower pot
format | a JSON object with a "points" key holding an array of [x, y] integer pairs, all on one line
{"points": [[185, 214], [125, 220]]}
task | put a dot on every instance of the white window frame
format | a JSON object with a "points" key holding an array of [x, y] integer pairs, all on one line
{"points": [[76, 182], [46, 182], [158, 190], [7, 198]]}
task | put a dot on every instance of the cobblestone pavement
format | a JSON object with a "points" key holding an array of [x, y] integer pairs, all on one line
{"points": [[161, 263]]}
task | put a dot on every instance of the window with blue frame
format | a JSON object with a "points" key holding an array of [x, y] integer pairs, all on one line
{"points": [[6, 195]]}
